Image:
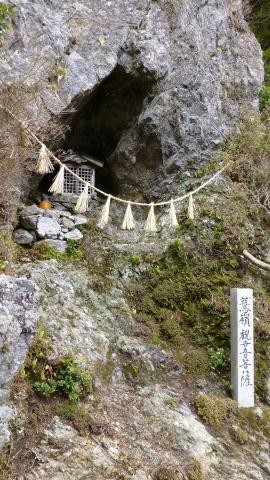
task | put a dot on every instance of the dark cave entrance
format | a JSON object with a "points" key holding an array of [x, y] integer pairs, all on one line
{"points": [[102, 117]]}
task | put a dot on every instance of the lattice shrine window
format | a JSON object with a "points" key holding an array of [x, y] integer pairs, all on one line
{"points": [[73, 185]]}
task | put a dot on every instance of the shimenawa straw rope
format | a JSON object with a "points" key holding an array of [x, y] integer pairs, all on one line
{"points": [[57, 186]]}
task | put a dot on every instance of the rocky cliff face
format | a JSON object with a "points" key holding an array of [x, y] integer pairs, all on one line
{"points": [[157, 84], [141, 415]]}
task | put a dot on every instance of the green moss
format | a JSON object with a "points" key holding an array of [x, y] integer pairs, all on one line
{"points": [[5, 464], [76, 413], [196, 362], [73, 254], [196, 471], [134, 260], [254, 420], [131, 370], [9, 251], [104, 370], [215, 411], [168, 474], [171, 329], [239, 435]]}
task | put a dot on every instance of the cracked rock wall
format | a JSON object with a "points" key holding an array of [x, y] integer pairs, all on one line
{"points": [[205, 62]]}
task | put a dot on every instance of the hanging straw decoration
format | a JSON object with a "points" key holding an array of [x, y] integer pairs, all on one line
{"points": [[190, 207], [83, 200], [151, 224], [44, 164], [173, 219], [128, 222], [105, 213], [58, 183]]}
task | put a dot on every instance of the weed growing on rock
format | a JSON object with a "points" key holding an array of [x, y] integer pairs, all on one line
{"points": [[218, 359], [63, 376]]}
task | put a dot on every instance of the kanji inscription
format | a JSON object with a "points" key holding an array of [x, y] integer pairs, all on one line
{"points": [[242, 346]]}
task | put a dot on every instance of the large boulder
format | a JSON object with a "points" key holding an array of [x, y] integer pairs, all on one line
{"points": [[18, 319], [156, 84]]}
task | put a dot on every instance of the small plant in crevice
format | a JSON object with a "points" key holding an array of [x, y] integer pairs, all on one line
{"points": [[135, 260], [218, 358], [62, 376], [6, 12], [66, 377]]}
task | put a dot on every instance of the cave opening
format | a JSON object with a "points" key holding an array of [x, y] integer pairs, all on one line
{"points": [[102, 117]]}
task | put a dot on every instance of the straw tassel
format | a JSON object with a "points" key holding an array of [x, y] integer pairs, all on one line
{"points": [[173, 219], [105, 213], [191, 207], [151, 224], [58, 183], [44, 164], [83, 200], [128, 222]]}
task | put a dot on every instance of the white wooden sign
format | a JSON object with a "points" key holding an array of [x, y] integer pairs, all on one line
{"points": [[242, 346]]}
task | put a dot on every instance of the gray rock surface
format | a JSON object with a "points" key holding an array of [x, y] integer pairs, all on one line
{"points": [[144, 425], [29, 222], [18, 318], [23, 237], [195, 67], [7, 414], [58, 245], [79, 220], [51, 224], [74, 235], [48, 228], [67, 223]]}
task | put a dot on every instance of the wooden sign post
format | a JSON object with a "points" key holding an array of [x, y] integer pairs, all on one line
{"points": [[242, 346]]}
